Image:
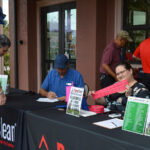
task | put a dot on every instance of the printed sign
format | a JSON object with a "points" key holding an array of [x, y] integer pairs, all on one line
{"points": [[137, 116], [74, 103]]}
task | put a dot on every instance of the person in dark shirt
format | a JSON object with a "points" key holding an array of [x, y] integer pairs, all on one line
{"points": [[111, 58]]}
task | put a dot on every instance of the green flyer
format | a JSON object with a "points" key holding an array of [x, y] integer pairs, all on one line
{"points": [[136, 115]]}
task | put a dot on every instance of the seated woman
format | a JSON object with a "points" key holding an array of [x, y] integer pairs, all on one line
{"points": [[118, 101]]}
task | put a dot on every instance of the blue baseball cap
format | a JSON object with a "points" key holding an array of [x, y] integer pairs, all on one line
{"points": [[61, 61]]}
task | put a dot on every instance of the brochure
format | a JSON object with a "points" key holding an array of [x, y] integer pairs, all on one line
{"points": [[137, 116], [74, 103]]}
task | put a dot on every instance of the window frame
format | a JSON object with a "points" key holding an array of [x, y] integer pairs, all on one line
{"points": [[131, 28]]}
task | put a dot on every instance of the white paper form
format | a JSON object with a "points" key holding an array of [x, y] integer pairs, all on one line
{"points": [[110, 124], [85, 113], [48, 100]]}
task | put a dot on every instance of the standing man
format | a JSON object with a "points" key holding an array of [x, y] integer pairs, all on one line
{"points": [[142, 53], [4, 45], [111, 58], [55, 82]]}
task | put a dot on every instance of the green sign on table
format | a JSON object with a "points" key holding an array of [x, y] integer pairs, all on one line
{"points": [[136, 116]]}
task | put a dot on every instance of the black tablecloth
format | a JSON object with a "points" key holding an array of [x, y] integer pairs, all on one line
{"points": [[12, 116], [75, 133], [26, 124]]}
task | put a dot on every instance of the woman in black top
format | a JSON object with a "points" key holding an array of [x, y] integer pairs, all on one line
{"points": [[118, 101]]}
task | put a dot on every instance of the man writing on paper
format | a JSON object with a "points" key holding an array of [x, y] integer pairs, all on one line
{"points": [[118, 101], [4, 45], [111, 58], [55, 82]]}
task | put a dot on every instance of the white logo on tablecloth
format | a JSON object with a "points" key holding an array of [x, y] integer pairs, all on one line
{"points": [[7, 131]]}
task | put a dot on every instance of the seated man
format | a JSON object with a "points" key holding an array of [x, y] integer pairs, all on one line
{"points": [[55, 82]]}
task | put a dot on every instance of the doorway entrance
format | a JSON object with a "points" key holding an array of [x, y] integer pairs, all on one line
{"points": [[58, 27]]}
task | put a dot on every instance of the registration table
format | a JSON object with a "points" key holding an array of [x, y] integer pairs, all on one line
{"points": [[12, 117], [30, 125]]}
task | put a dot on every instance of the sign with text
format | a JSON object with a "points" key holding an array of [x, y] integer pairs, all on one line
{"points": [[74, 103], [137, 118]]}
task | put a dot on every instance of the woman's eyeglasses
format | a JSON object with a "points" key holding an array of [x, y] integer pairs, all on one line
{"points": [[121, 72]]}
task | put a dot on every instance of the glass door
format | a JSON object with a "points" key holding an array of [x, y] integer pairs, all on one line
{"points": [[52, 36], [70, 35], [58, 35]]}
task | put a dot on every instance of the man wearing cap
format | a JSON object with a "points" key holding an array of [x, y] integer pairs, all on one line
{"points": [[55, 82], [142, 53], [111, 58]]}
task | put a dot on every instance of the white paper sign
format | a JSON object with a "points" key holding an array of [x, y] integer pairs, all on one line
{"points": [[52, 100], [74, 103], [85, 113]]}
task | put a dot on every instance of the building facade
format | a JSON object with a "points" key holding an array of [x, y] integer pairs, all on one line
{"points": [[82, 30]]}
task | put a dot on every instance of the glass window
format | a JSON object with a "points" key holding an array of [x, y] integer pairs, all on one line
{"points": [[70, 36], [70, 33], [139, 18], [52, 35], [136, 12], [136, 22]]}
